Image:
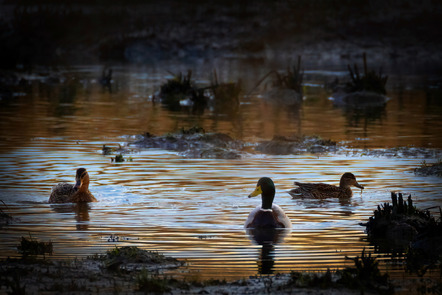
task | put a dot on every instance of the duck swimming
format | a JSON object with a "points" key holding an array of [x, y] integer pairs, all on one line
{"points": [[68, 193], [323, 190], [267, 215]]}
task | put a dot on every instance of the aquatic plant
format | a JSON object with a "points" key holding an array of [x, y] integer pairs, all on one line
{"points": [[120, 158], [34, 247], [225, 95], [180, 88], [370, 81]]}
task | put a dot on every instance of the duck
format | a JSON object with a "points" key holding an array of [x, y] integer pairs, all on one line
{"points": [[323, 190], [267, 215], [69, 193]]}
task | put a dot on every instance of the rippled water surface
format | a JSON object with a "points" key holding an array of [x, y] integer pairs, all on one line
{"points": [[194, 209]]}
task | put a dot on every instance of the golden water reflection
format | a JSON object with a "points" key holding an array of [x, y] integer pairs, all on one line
{"points": [[194, 209]]}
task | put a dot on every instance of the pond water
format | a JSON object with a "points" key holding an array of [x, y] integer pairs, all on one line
{"points": [[195, 209]]}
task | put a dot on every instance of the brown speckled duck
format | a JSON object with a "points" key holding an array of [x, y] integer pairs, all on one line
{"points": [[323, 190], [68, 193]]}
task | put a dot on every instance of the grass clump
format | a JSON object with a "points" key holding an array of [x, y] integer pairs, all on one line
{"points": [[116, 257], [400, 214], [370, 81], [364, 275], [401, 227], [179, 88], [5, 218], [150, 283], [33, 247], [292, 79], [309, 280], [120, 158], [226, 96]]}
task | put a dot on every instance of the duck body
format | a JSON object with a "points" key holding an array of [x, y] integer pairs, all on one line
{"points": [[69, 193], [323, 190], [268, 218], [267, 215]]}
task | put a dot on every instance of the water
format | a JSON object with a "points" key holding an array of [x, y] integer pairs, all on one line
{"points": [[194, 209]]}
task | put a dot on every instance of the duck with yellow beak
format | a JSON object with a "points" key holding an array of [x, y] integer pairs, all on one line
{"points": [[267, 215]]}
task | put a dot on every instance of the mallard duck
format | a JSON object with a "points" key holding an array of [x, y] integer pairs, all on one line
{"points": [[68, 193], [267, 215], [323, 190]]}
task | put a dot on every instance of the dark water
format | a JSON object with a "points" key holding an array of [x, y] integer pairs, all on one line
{"points": [[194, 209]]}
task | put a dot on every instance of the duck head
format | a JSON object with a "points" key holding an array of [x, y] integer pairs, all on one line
{"points": [[81, 180], [265, 188], [348, 179]]}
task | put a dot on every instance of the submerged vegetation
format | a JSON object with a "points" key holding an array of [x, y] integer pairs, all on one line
{"points": [[182, 92]]}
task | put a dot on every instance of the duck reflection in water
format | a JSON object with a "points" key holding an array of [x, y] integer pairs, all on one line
{"points": [[267, 224], [81, 211]]}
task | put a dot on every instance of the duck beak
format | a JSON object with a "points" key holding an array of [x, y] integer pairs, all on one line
{"points": [[77, 184], [358, 185], [256, 192]]}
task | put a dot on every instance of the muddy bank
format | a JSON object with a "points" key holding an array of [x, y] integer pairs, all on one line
{"points": [[194, 143], [281, 145], [197, 143], [427, 169], [140, 271]]}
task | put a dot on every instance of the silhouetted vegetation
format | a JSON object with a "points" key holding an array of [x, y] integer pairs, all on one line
{"points": [[5, 218], [369, 81], [364, 276], [181, 90], [225, 95], [34, 247], [292, 79], [400, 227]]}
